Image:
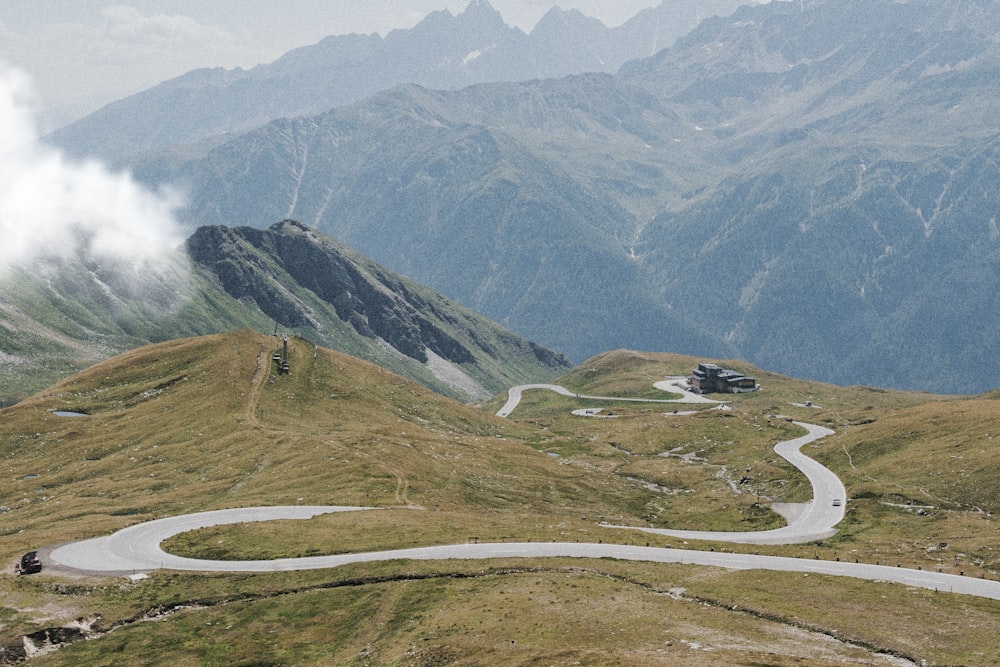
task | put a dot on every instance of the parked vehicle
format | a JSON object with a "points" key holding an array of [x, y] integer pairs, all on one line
{"points": [[30, 563]]}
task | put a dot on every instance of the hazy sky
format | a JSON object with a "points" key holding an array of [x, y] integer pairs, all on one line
{"points": [[82, 54]]}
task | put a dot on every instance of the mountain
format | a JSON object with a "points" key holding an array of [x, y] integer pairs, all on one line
{"points": [[308, 283], [57, 318], [856, 226], [443, 51], [834, 66], [810, 184], [405, 178]]}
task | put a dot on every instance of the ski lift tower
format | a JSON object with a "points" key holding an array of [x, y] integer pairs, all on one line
{"points": [[285, 368], [281, 359]]}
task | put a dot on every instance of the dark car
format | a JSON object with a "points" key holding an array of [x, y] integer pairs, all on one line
{"points": [[30, 563]]}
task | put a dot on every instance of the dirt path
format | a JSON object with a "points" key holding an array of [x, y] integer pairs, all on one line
{"points": [[260, 374]]}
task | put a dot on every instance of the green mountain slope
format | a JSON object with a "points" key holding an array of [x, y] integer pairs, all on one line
{"points": [[868, 263], [60, 316]]}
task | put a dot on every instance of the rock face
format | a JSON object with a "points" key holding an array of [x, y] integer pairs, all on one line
{"points": [[308, 282], [376, 304]]}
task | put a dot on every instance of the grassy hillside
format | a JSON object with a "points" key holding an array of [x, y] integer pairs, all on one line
{"points": [[207, 423]]}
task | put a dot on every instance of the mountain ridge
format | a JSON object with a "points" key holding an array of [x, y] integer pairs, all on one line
{"points": [[443, 51], [286, 277]]}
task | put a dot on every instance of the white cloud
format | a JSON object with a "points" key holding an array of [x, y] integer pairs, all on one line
{"points": [[54, 211]]}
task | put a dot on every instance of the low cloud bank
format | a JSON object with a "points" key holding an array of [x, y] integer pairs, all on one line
{"points": [[55, 212]]}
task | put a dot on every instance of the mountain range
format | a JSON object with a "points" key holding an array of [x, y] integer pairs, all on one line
{"points": [[809, 182], [443, 51], [809, 186]]}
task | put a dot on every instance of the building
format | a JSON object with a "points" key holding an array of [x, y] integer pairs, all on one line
{"points": [[713, 379]]}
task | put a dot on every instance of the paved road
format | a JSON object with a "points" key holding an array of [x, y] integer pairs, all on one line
{"points": [[819, 517], [679, 384], [816, 522], [137, 549], [675, 385]]}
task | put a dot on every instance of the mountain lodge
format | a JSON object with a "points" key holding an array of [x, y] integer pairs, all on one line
{"points": [[711, 379]]}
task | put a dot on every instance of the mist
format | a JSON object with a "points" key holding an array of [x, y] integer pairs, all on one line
{"points": [[56, 213]]}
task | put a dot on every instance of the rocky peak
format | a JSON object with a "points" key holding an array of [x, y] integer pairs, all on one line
{"points": [[482, 14], [558, 20]]}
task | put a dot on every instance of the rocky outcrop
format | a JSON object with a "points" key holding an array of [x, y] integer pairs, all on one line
{"points": [[300, 278]]}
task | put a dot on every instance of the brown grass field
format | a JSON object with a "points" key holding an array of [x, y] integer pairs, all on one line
{"points": [[208, 423]]}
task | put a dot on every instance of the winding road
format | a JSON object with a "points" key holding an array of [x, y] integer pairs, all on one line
{"points": [[819, 516], [815, 522], [674, 384], [136, 549]]}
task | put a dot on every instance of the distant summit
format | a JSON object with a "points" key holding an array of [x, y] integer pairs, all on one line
{"points": [[443, 52], [481, 13]]}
